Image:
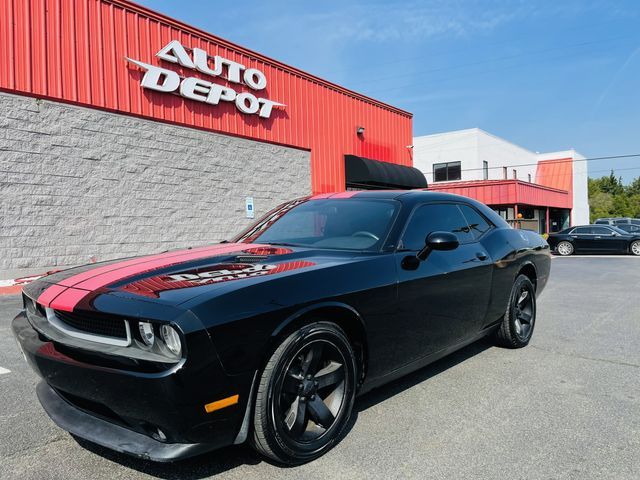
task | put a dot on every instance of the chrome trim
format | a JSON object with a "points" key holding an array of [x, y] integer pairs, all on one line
{"points": [[53, 319]]}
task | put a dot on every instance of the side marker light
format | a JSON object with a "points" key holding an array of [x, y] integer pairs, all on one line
{"points": [[219, 404]]}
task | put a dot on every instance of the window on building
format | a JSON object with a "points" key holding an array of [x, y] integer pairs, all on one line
{"points": [[446, 172], [504, 172], [434, 218], [529, 177], [485, 170], [515, 174]]}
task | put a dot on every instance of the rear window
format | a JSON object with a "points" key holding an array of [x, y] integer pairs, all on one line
{"points": [[478, 225]]}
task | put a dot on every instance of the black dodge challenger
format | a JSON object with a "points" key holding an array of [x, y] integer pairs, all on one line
{"points": [[270, 337]]}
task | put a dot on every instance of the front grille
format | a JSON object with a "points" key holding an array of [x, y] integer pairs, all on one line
{"points": [[96, 324]]}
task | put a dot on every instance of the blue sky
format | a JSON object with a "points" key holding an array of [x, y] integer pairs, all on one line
{"points": [[548, 75]]}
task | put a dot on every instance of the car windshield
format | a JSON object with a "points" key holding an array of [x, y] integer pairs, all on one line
{"points": [[350, 224]]}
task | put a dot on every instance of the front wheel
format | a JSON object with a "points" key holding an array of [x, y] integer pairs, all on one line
{"points": [[565, 248], [517, 324], [635, 248], [306, 394]]}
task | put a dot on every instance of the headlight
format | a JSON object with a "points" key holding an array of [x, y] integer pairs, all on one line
{"points": [[146, 332], [171, 339], [156, 339]]}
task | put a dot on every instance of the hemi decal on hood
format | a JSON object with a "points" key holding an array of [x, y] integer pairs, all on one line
{"points": [[153, 286], [67, 293]]}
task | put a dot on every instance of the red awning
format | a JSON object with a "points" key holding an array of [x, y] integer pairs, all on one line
{"points": [[508, 192]]}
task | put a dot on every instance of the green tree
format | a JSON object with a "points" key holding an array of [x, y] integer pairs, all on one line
{"points": [[633, 188], [608, 197]]}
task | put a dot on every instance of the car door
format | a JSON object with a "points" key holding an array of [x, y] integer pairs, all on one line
{"points": [[607, 241], [444, 299], [582, 239]]}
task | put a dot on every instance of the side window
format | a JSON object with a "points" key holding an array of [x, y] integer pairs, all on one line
{"points": [[581, 231], [478, 226], [434, 218], [601, 231]]}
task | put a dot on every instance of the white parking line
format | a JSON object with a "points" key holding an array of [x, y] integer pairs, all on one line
{"points": [[597, 256], [4, 370]]}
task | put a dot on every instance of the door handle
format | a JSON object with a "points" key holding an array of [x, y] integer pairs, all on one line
{"points": [[481, 256]]}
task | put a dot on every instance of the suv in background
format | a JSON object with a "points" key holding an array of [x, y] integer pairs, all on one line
{"points": [[617, 221], [629, 227]]}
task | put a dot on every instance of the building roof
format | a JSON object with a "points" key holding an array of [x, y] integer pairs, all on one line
{"points": [[556, 173]]}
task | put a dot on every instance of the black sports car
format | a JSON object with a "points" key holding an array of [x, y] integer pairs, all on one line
{"points": [[594, 239], [271, 336]]}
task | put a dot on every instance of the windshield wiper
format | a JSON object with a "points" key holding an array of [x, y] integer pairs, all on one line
{"points": [[283, 244]]}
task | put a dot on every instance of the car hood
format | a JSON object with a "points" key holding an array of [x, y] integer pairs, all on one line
{"points": [[174, 277]]}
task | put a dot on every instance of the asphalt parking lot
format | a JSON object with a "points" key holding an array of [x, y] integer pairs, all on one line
{"points": [[565, 407]]}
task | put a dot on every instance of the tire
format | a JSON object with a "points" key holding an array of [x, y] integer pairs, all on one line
{"points": [[305, 395], [565, 248], [634, 248], [518, 322]]}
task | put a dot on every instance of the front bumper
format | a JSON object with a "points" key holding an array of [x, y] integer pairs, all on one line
{"points": [[159, 416], [110, 435]]}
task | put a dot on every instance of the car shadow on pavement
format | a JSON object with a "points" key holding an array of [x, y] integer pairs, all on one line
{"points": [[201, 466], [228, 458], [388, 390]]}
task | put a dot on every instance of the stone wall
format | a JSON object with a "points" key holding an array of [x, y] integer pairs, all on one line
{"points": [[78, 184]]}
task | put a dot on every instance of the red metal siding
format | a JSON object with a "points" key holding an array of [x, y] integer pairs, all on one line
{"points": [[508, 192], [74, 51], [556, 174]]}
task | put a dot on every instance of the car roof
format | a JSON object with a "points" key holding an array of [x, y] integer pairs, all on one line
{"points": [[592, 225], [404, 195]]}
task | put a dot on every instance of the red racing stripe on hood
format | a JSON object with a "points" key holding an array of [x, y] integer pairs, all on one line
{"points": [[94, 272], [69, 292]]}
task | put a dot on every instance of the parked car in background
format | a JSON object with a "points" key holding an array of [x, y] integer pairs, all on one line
{"points": [[629, 227], [271, 336], [617, 221], [594, 239]]}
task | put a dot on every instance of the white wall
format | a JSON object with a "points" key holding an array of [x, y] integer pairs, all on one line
{"points": [[471, 147], [459, 146]]}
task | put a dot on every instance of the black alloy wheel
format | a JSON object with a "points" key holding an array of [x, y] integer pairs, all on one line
{"points": [[305, 395], [519, 319]]}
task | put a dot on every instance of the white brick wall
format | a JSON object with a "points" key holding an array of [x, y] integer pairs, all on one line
{"points": [[77, 183]]}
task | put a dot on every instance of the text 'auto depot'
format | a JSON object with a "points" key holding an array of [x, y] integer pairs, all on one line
{"points": [[194, 88]]}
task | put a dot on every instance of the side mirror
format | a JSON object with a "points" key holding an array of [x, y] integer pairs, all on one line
{"points": [[438, 241]]}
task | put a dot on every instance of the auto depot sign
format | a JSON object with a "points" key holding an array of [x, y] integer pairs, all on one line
{"points": [[195, 88]]}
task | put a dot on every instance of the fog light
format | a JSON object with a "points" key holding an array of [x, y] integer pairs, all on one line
{"points": [[171, 339], [146, 332]]}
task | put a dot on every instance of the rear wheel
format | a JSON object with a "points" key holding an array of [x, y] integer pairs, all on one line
{"points": [[565, 248], [635, 247], [519, 319], [305, 395]]}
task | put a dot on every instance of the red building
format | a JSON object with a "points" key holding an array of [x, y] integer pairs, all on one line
{"points": [[118, 118]]}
